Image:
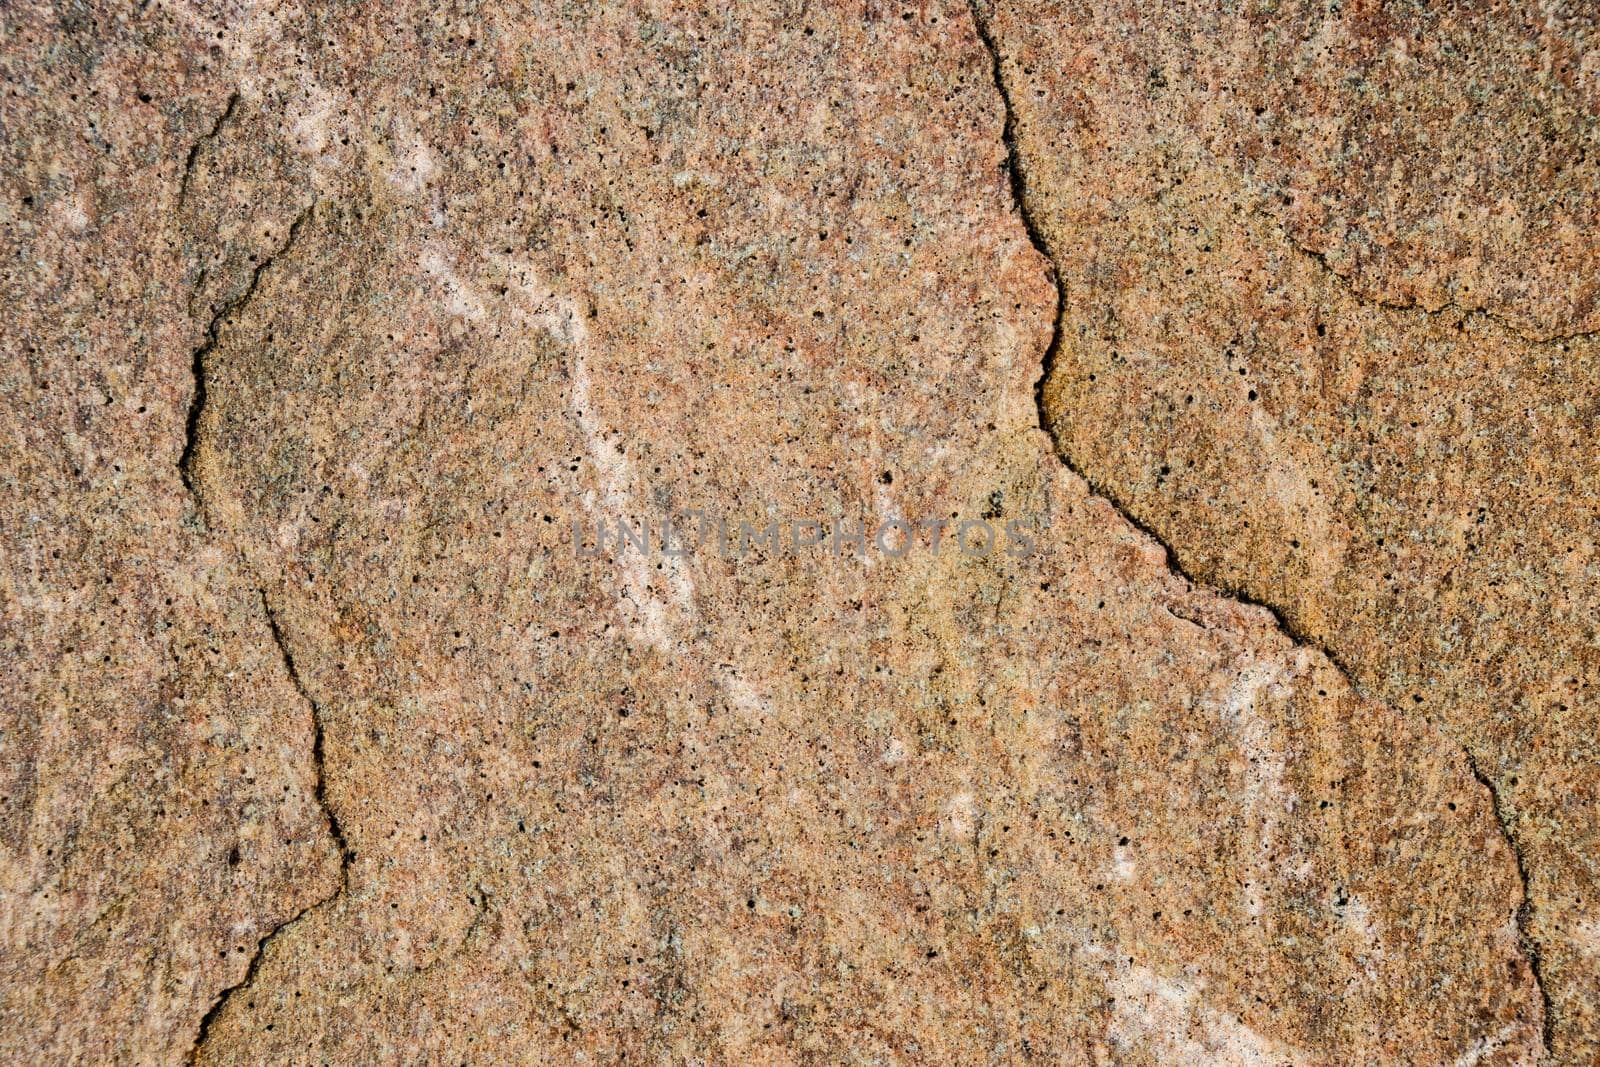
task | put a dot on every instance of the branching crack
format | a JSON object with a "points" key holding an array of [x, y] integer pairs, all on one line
{"points": [[197, 399], [1019, 195], [346, 857]]}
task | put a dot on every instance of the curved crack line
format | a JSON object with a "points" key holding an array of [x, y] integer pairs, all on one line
{"points": [[200, 142], [1530, 947], [1019, 190], [249, 976], [317, 739], [197, 361], [346, 856], [197, 404]]}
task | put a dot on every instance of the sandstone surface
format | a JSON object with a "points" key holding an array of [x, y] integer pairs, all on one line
{"points": [[335, 334]]}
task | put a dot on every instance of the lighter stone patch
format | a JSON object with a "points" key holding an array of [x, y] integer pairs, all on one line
{"points": [[614, 497], [662, 613], [1167, 1017], [1585, 937], [560, 316], [1302, 504], [460, 298], [961, 817], [413, 166], [1122, 867], [1514, 1033], [1265, 796], [1359, 921], [310, 129]]}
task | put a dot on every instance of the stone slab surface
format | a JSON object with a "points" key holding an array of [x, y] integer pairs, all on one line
{"points": [[1324, 285], [335, 334]]}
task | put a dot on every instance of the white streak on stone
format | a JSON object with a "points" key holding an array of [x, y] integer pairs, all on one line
{"points": [[1167, 1017], [1265, 797], [460, 297], [413, 166]]}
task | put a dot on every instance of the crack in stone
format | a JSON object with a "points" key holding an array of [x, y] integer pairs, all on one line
{"points": [[197, 403], [1530, 947], [1019, 188], [204, 139], [346, 857], [197, 398], [249, 976], [1019, 198], [318, 733], [1349, 286]]}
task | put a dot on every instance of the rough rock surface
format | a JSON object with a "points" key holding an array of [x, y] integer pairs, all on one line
{"points": [[1325, 277], [335, 334]]}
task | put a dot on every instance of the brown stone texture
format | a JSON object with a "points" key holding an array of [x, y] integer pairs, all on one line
{"points": [[331, 329], [1324, 279]]}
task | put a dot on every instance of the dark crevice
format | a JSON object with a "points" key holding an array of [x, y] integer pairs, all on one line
{"points": [[1019, 195], [205, 138], [317, 735], [346, 857], [1036, 238], [197, 404], [249, 976], [1019, 199], [197, 398], [1530, 947]]}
